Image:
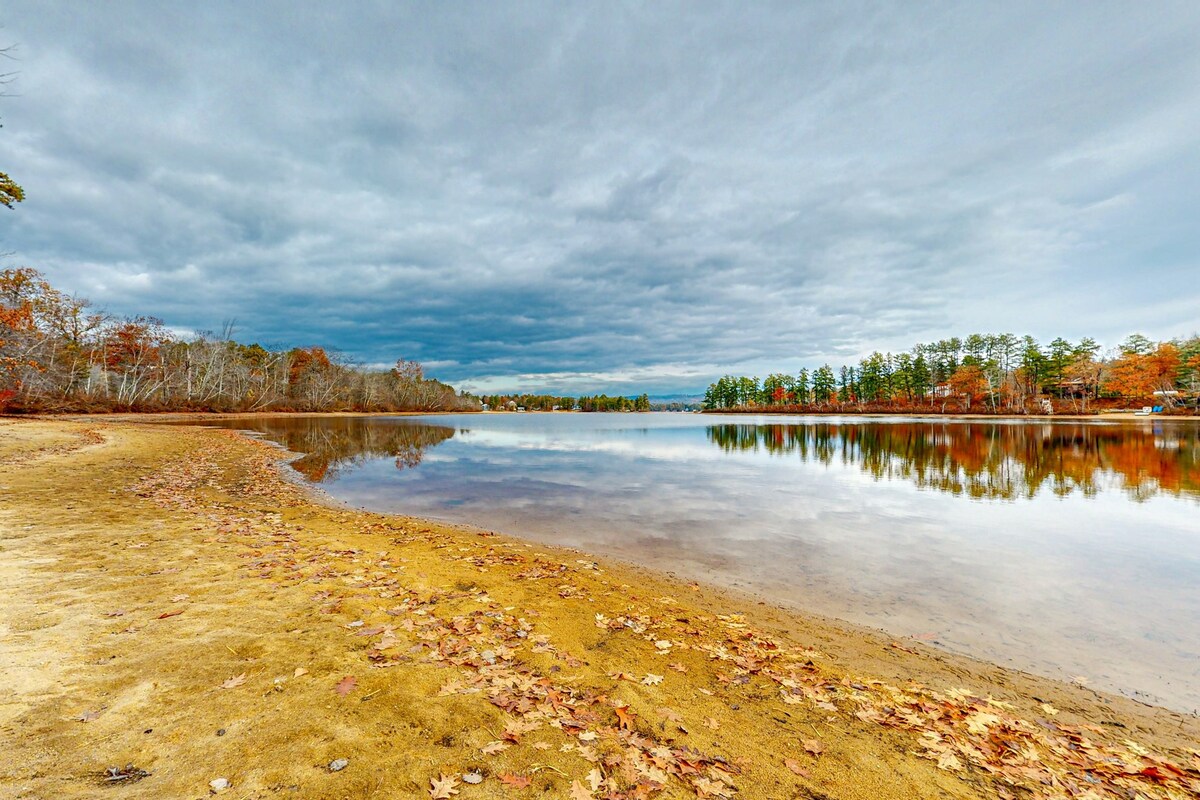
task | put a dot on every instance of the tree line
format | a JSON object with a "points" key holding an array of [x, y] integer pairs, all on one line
{"points": [[982, 372], [549, 402], [58, 353]]}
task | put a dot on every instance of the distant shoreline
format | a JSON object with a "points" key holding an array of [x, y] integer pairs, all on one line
{"points": [[962, 415]]}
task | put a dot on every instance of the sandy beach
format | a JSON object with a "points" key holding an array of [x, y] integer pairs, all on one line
{"points": [[177, 620]]}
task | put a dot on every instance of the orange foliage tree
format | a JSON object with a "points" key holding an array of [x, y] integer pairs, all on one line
{"points": [[1140, 375], [968, 382]]}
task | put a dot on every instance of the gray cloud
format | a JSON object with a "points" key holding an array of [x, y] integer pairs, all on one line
{"points": [[604, 197]]}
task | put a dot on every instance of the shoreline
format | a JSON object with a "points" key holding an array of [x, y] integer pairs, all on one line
{"points": [[209, 479], [136, 416]]}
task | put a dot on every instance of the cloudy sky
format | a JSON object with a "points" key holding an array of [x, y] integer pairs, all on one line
{"points": [[604, 196]]}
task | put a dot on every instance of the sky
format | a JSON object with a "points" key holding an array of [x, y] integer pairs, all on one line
{"points": [[618, 197]]}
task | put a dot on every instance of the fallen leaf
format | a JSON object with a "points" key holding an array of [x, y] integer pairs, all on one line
{"points": [[625, 717], [814, 746], [663, 644], [299, 671], [492, 748], [235, 681], [514, 780], [174, 613], [89, 716], [595, 778], [652, 680], [678, 667], [949, 762], [442, 787], [579, 791], [346, 685], [179, 598], [670, 715], [795, 767], [710, 722]]}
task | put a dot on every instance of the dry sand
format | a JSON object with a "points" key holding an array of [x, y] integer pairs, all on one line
{"points": [[169, 601]]}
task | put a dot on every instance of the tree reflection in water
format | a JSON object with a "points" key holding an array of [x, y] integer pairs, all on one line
{"points": [[989, 460], [331, 445]]}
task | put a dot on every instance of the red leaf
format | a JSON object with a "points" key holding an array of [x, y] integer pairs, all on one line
{"points": [[346, 685], [174, 613], [515, 781]]}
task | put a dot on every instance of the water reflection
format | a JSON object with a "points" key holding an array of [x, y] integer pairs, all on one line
{"points": [[988, 460], [333, 445], [992, 461]]}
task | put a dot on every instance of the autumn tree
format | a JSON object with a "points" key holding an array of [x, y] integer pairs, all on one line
{"points": [[968, 382], [1139, 372], [10, 191]]}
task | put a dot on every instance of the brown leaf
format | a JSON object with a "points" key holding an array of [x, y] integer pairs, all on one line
{"points": [[710, 722], [795, 767], [492, 748], [515, 781], [949, 762], [670, 715], [814, 746], [579, 791], [442, 787], [235, 681], [174, 613], [625, 717], [299, 671], [346, 685]]}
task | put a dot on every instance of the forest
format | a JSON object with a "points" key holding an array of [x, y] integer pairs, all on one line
{"points": [[57, 353], [983, 373]]}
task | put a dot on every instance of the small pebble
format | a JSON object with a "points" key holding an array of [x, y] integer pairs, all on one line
{"points": [[220, 731], [218, 785], [472, 777], [338, 764]]}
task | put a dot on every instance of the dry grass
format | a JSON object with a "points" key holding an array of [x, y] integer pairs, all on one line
{"points": [[106, 527]]}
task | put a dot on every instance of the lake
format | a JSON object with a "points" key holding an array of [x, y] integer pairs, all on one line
{"points": [[1069, 549]]}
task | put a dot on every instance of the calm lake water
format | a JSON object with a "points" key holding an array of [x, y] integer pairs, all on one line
{"points": [[1070, 549]]}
